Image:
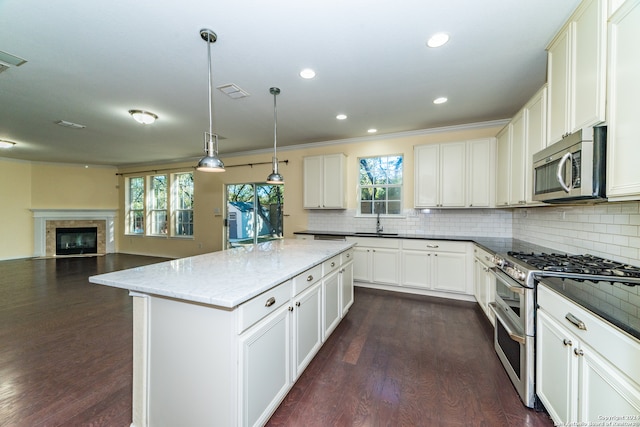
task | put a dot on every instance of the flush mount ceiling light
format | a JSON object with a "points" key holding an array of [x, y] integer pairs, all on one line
{"points": [[440, 100], [210, 162], [372, 130], [143, 117], [307, 73], [341, 117], [438, 40], [275, 177], [6, 144]]}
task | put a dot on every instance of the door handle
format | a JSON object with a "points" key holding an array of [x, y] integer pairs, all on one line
{"points": [[563, 160]]}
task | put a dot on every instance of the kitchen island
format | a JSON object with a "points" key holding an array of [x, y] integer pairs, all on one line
{"points": [[220, 338]]}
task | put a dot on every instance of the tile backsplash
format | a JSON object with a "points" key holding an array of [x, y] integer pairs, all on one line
{"points": [[608, 230], [448, 222]]}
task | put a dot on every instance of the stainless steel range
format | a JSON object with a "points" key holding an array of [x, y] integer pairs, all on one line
{"points": [[516, 277]]}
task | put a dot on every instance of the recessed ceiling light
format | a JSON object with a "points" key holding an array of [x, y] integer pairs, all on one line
{"points": [[440, 100], [143, 117], [341, 116], [6, 144], [307, 73], [437, 40], [372, 130]]}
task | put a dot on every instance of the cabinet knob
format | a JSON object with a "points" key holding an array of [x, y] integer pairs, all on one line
{"points": [[297, 303], [578, 352], [567, 342], [309, 278], [270, 302], [333, 264], [290, 308], [348, 255]]}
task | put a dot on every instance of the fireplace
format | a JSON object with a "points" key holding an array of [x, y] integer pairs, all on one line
{"points": [[76, 240]]}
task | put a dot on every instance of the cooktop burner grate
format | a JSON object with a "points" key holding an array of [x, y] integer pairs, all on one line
{"points": [[580, 264]]}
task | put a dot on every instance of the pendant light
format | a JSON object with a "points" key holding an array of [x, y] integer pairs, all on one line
{"points": [[210, 162], [275, 177]]}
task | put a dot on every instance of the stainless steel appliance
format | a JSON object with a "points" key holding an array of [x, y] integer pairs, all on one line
{"points": [[515, 304], [573, 169]]}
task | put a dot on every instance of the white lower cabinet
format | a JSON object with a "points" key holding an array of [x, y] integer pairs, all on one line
{"points": [[436, 265], [265, 368], [346, 284], [332, 311], [307, 327], [376, 260], [587, 374]]}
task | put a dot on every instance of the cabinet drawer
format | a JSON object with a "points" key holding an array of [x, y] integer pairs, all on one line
{"points": [[330, 265], [433, 245], [258, 307], [346, 256], [619, 348], [303, 280]]}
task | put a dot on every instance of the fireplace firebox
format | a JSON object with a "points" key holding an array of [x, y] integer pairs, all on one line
{"points": [[75, 241]]}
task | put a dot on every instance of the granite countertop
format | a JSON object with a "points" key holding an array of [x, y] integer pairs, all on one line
{"points": [[226, 278]]}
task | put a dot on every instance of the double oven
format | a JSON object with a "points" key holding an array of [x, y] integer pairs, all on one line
{"points": [[514, 334], [516, 276]]}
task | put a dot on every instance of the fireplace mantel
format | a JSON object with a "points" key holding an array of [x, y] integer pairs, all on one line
{"points": [[41, 216]]}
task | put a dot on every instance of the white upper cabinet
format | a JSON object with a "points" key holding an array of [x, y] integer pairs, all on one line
{"points": [[440, 175], [623, 143], [455, 174], [481, 154], [524, 136], [324, 182], [577, 71]]}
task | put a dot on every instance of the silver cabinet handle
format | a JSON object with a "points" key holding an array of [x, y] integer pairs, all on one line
{"points": [[578, 352], [567, 342], [309, 278], [270, 302], [576, 322], [333, 264], [433, 246]]}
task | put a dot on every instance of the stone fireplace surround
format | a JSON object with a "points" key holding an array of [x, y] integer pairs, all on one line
{"points": [[47, 220]]}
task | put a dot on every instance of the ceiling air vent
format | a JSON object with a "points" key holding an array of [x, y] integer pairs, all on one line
{"points": [[71, 125], [233, 91]]}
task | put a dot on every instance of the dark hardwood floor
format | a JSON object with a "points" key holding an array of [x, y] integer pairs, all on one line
{"points": [[395, 360]]}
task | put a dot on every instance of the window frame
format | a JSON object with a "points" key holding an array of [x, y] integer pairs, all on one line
{"points": [[130, 212], [375, 205], [177, 211]]}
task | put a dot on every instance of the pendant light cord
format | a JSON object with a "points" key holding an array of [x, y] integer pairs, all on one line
{"points": [[275, 123], [210, 88]]}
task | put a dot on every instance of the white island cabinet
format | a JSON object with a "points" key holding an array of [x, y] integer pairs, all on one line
{"points": [[220, 338]]}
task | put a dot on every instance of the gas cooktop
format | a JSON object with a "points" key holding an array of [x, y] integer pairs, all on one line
{"points": [[578, 267]]}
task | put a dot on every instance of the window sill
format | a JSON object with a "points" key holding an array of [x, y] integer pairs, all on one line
{"points": [[399, 216]]}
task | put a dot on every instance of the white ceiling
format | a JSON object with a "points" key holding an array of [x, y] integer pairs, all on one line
{"points": [[90, 62]]}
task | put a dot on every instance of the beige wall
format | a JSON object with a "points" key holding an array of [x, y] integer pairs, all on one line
{"points": [[16, 226], [209, 188], [26, 185]]}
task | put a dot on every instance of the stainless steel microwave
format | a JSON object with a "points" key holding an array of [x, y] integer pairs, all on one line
{"points": [[572, 170]]}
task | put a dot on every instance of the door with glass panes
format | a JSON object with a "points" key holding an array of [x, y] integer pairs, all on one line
{"points": [[254, 213]]}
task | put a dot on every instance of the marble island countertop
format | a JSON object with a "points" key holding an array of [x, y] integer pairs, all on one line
{"points": [[225, 278]]}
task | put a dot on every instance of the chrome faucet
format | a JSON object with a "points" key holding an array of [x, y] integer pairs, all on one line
{"points": [[379, 227]]}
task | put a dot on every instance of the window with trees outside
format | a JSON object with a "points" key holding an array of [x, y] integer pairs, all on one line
{"points": [[182, 197], [380, 185], [135, 203], [160, 205]]}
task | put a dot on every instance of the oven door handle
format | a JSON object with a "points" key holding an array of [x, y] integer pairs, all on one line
{"points": [[506, 280], [506, 324]]}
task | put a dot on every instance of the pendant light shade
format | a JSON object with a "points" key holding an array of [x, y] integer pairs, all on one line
{"points": [[210, 162], [275, 177]]}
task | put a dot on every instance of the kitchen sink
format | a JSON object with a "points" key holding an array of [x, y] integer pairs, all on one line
{"points": [[369, 234]]}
